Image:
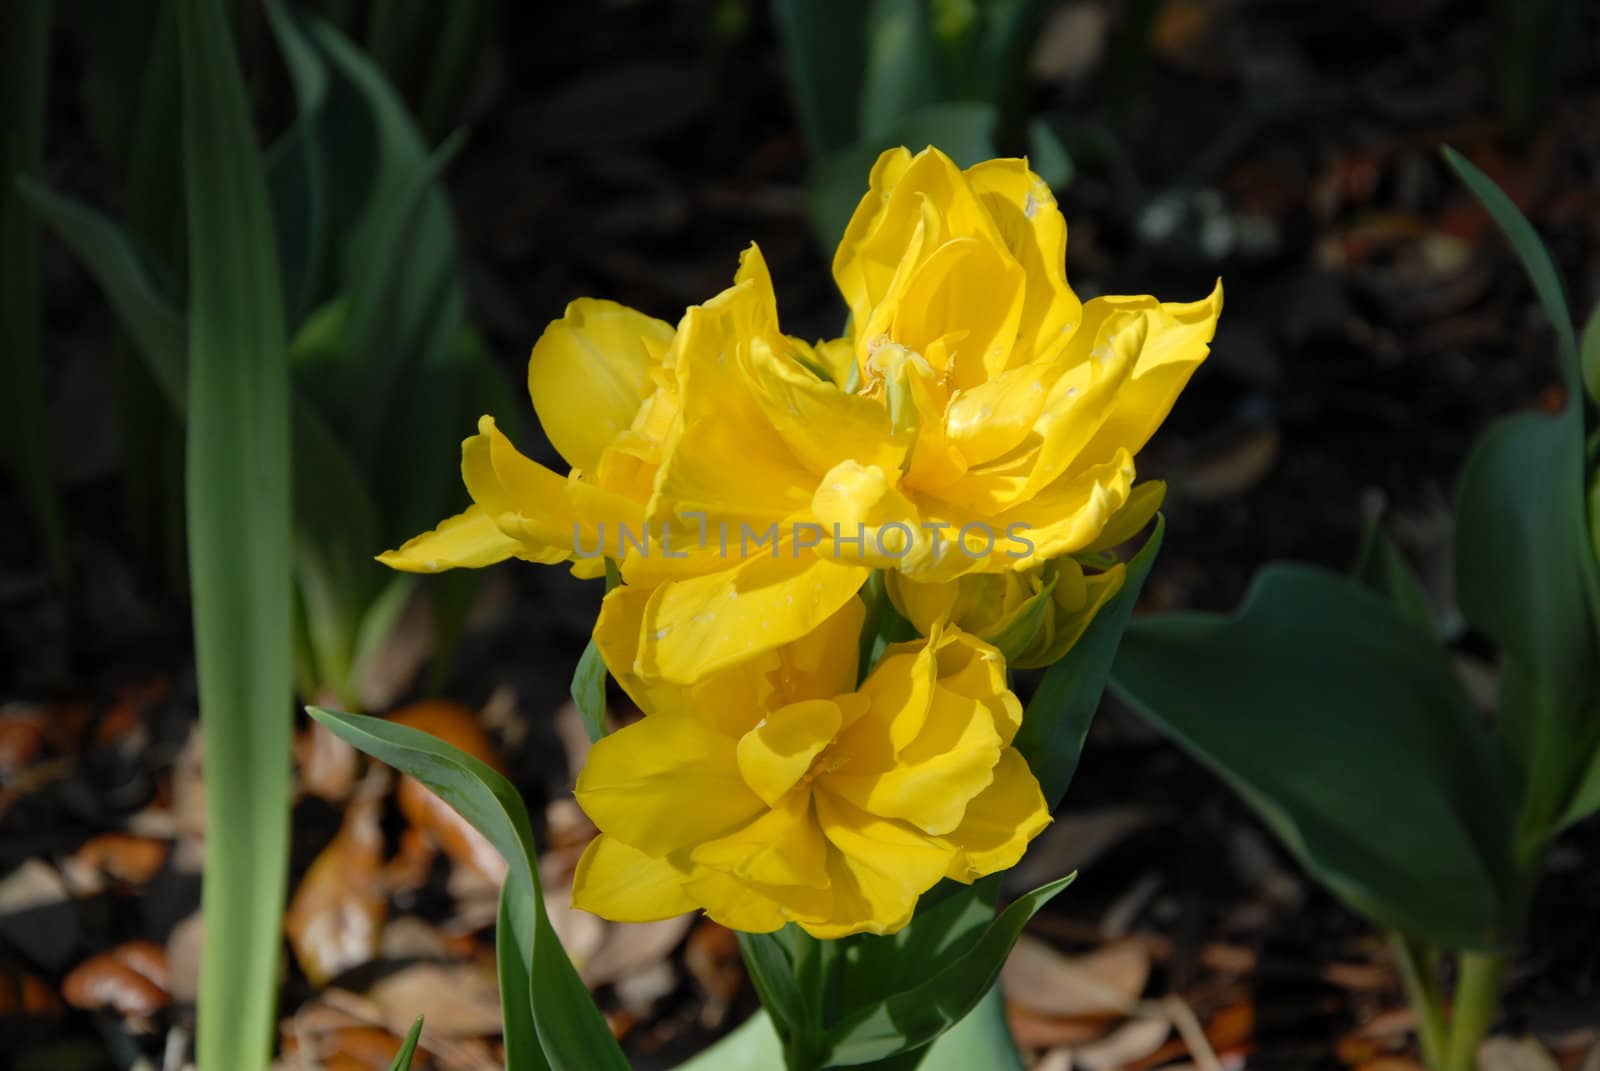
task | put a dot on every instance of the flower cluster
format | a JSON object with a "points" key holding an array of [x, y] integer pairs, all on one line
{"points": [[972, 438]]}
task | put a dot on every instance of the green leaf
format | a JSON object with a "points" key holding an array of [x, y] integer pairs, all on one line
{"points": [[1589, 353], [402, 1059], [149, 316], [1061, 710], [949, 920], [772, 972], [1525, 578], [297, 169], [572, 1033], [24, 438], [915, 1017], [1382, 568], [825, 44], [1536, 261], [1048, 157], [589, 691], [514, 932], [239, 524], [902, 73], [1348, 732]]}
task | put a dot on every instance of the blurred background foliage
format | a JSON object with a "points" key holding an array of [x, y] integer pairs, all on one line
{"points": [[443, 178]]}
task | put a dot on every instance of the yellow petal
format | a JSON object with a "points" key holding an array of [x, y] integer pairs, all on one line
{"points": [[1000, 822], [694, 627], [1177, 340], [665, 782], [776, 754], [590, 372], [733, 903], [972, 668], [1024, 211], [783, 847], [903, 862], [822, 662], [1129, 521], [968, 293], [624, 884], [527, 500], [936, 774], [469, 540]]}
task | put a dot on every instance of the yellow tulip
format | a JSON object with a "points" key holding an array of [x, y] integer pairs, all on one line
{"points": [[778, 792], [981, 419]]}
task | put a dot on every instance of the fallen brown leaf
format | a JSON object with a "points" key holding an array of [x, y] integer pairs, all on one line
{"points": [[105, 981], [457, 1000], [1129, 1042], [1035, 1030], [121, 857], [634, 947], [1515, 1054], [1104, 982], [335, 918]]}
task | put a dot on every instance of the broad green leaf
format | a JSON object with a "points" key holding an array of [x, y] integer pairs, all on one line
{"points": [[408, 1050], [150, 317], [752, 1044], [1525, 578], [1347, 730], [239, 524], [572, 1033], [964, 130], [915, 1017], [1536, 261], [1383, 569], [1058, 716], [24, 438], [825, 43], [981, 1040]]}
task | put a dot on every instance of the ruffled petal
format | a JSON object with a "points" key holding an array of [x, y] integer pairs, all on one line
{"points": [[469, 540], [1000, 822]]}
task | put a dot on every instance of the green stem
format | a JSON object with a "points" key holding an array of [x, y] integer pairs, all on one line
{"points": [[1477, 998], [1418, 972]]}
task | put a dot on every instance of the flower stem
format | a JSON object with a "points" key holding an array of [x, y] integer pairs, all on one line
{"points": [[1418, 972], [1477, 998]]}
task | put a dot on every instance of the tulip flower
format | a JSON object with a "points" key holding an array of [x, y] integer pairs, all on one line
{"points": [[778, 791]]}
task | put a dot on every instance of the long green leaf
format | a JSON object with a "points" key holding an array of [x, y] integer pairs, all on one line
{"points": [[1383, 568], [24, 55], [1347, 730], [825, 44], [1589, 355], [239, 525], [1536, 261], [915, 1017], [571, 1030], [408, 1050], [514, 930], [148, 315], [1061, 710]]}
